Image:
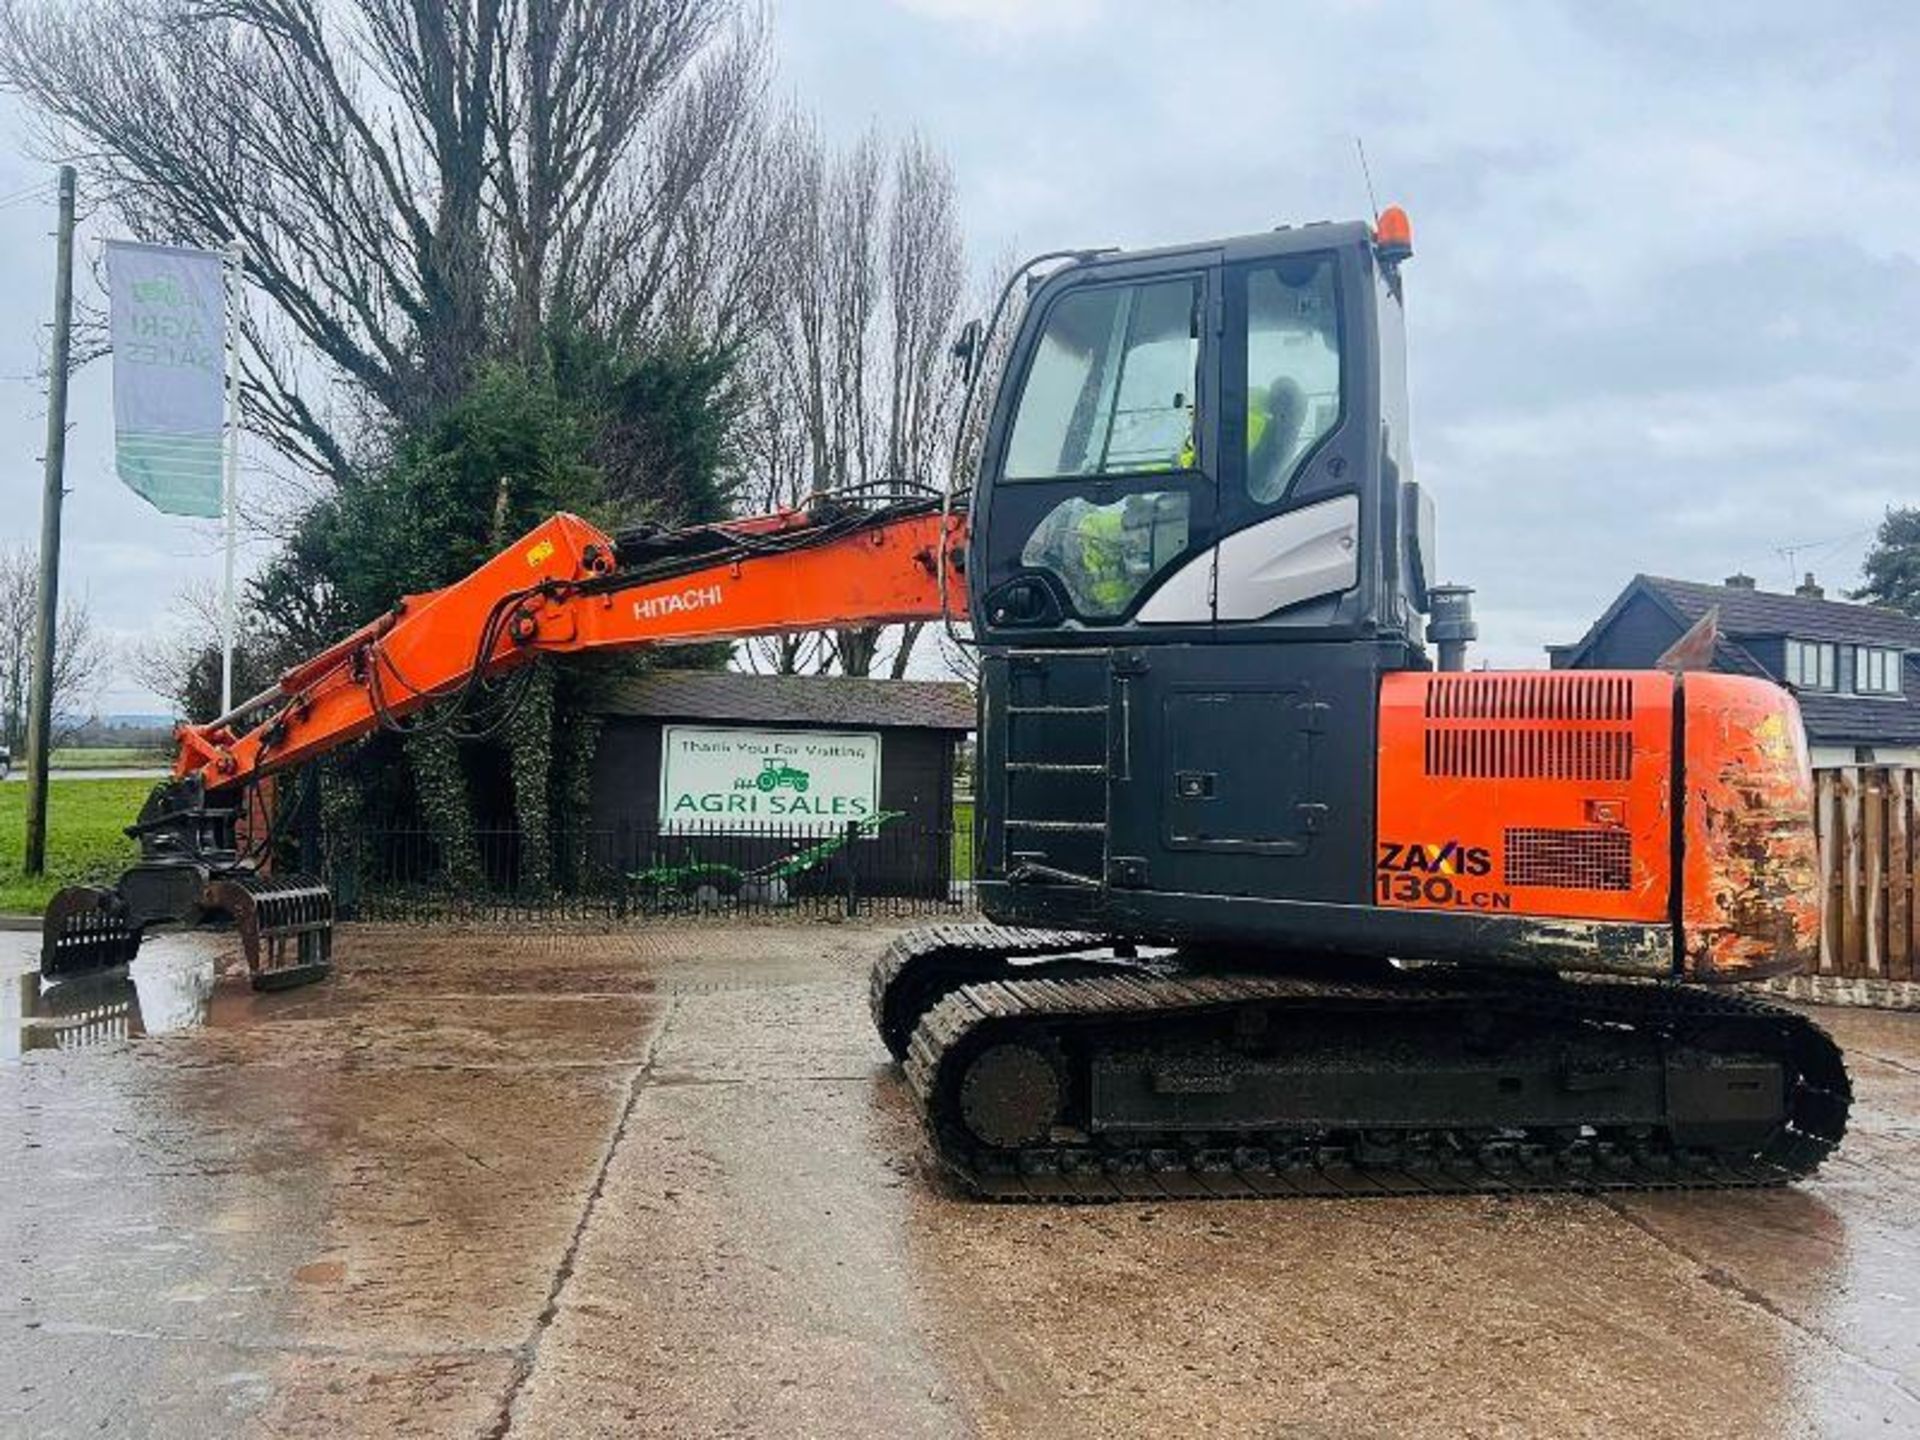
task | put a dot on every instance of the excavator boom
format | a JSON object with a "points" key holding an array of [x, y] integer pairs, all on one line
{"points": [[563, 588]]}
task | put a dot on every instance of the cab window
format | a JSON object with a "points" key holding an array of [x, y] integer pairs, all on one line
{"points": [[1293, 370], [1110, 390], [1105, 555]]}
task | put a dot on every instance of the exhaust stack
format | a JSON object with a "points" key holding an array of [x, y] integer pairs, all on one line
{"points": [[1450, 623]]}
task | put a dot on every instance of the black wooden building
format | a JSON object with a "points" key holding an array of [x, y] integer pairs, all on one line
{"points": [[916, 725]]}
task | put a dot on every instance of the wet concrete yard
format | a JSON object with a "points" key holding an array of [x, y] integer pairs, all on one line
{"points": [[663, 1182]]}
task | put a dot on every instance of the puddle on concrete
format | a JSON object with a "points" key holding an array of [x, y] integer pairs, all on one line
{"points": [[168, 987]]}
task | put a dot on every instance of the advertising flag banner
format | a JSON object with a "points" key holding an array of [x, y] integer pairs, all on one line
{"points": [[167, 311]]}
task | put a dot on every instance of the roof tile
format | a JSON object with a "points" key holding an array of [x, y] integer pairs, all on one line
{"points": [[1762, 612], [793, 699], [1831, 719]]}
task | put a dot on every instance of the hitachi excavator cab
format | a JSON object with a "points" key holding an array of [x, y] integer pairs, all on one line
{"points": [[1200, 567], [1197, 544]]}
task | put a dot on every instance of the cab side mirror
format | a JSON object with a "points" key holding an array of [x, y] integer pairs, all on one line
{"points": [[966, 351]]}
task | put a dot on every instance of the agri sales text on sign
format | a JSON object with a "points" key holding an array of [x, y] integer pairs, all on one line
{"points": [[794, 780]]}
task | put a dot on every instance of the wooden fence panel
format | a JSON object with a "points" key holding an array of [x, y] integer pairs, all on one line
{"points": [[1873, 868], [1867, 818], [1899, 879], [1826, 809], [1851, 941]]}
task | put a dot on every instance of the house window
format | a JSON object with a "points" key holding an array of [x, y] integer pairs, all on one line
{"points": [[1876, 671], [1810, 664]]}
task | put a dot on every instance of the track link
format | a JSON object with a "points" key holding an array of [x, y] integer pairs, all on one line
{"points": [[1080, 1009]]}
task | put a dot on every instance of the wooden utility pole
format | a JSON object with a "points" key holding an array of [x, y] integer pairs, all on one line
{"points": [[40, 710]]}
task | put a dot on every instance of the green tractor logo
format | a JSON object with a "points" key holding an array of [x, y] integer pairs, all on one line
{"points": [[777, 774], [162, 290]]}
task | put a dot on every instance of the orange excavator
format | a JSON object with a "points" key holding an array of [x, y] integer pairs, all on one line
{"points": [[1275, 905]]}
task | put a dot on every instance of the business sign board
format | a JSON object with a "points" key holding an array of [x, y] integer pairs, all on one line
{"points": [[792, 781]]}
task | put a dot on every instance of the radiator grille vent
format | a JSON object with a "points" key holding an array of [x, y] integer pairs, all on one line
{"points": [[1567, 695], [1570, 859], [1530, 754]]}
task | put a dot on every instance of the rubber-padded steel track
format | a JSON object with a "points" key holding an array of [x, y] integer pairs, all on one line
{"points": [[1322, 1161], [926, 964]]}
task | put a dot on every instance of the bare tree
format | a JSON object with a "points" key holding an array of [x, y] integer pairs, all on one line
{"points": [[417, 185], [853, 383], [925, 274], [181, 658], [776, 473], [80, 656]]}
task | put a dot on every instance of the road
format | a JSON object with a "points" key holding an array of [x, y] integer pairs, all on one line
{"points": [[132, 772], [664, 1183]]}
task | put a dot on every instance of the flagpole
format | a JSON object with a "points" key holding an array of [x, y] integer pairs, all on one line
{"points": [[235, 256]]}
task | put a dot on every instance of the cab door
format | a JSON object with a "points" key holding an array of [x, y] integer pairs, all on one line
{"points": [[1226, 774]]}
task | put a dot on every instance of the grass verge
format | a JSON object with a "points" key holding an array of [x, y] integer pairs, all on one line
{"points": [[84, 841], [103, 757]]}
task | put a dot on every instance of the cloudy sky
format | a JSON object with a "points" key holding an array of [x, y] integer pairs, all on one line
{"points": [[1663, 303]]}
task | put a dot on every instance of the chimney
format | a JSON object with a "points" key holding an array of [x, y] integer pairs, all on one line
{"points": [[1807, 590], [1740, 580]]}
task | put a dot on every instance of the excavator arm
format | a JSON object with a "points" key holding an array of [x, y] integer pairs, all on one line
{"points": [[564, 588]]}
